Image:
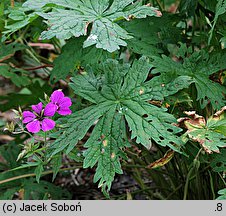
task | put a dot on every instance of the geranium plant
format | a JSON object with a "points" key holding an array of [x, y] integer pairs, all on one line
{"points": [[146, 93]]}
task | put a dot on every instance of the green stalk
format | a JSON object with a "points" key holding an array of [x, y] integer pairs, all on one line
{"points": [[212, 185], [33, 174], [187, 183], [189, 175]]}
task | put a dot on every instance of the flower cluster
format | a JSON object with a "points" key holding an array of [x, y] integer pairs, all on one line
{"points": [[40, 118]]}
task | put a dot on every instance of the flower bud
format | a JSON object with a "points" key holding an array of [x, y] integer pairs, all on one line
{"points": [[47, 99]]}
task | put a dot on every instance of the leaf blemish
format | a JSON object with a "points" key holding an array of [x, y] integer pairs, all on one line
{"points": [[105, 143]]}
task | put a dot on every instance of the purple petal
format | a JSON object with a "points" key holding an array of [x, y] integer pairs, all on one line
{"points": [[65, 102], [28, 116], [37, 108], [33, 127], [50, 109], [47, 124], [56, 96], [65, 111]]}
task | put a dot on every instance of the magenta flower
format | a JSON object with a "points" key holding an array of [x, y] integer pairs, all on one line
{"points": [[38, 119], [61, 102]]}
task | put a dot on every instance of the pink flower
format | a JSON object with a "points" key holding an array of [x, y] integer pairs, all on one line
{"points": [[61, 102], [38, 119]]}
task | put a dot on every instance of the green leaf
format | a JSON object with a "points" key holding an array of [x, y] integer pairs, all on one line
{"points": [[10, 73], [218, 162], [6, 52], [220, 9], [144, 37], [164, 85], [198, 66], [148, 122], [10, 49], [78, 125], [208, 90], [9, 193], [56, 163], [116, 99], [19, 20], [27, 165], [222, 194], [38, 172], [105, 147], [38, 191], [151, 34], [72, 18], [76, 155], [9, 153], [74, 56]]}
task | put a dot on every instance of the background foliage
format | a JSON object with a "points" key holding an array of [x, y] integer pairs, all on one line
{"points": [[147, 82]]}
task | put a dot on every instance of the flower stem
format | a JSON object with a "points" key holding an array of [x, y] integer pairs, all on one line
{"points": [[45, 145], [45, 139]]}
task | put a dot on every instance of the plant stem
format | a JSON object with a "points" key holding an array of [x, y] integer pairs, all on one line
{"points": [[176, 189], [38, 67], [45, 139], [33, 174], [187, 183], [12, 3], [222, 179], [211, 185], [160, 5], [188, 176]]}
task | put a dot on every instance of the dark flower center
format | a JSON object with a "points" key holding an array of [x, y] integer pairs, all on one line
{"points": [[40, 118]]}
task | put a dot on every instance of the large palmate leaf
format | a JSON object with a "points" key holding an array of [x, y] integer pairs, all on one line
{"points": [[69, 18], [198, 66], [120, 96], [210, 134]]}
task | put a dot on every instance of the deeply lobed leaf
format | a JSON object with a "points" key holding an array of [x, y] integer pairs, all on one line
{"points": [[72, 18], [117, 99], [198, 66]]}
